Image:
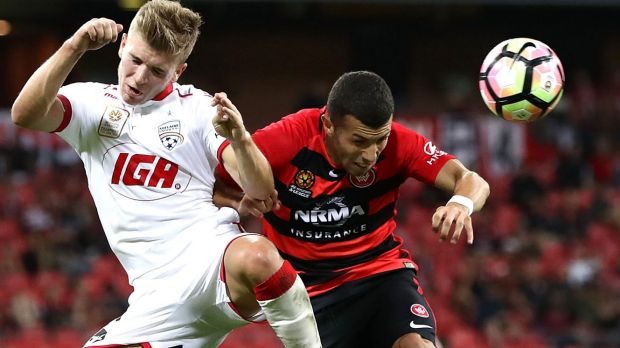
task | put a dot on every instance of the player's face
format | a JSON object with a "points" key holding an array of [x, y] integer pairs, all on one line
{"points": [[354, 146], [144, 72]]}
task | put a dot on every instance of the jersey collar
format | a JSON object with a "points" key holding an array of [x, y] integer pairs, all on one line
{"points": [[163, 94]]}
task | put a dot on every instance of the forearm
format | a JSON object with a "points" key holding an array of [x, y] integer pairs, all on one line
{"points": [[474, 187], [39, 93], [255, 175], [225, 196]]}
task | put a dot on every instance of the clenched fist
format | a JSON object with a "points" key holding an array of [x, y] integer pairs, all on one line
{"points": [[95, 34]]}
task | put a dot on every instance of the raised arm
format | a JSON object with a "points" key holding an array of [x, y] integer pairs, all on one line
{"points": [[36, 106], [242, 159], [470, 192]]}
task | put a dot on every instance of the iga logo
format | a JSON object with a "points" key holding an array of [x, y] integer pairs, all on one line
{"points": [[143, 177], [136, 170]]}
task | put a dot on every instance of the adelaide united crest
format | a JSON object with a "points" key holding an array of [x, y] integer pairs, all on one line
{"points": [[170, 134]]}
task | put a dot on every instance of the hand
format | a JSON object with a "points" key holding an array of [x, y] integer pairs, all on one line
{"points": [[95, 34], [228, 121], [250, 206], [449, 214]]}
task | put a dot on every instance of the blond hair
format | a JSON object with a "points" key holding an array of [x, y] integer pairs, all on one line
{"points": [[167, 27]]}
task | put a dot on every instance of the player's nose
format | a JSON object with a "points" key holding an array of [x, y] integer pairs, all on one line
{"points": [[370, 154], [141, 75]]}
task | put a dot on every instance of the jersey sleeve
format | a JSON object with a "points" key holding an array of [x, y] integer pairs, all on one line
{"points": [[420, 158], [212, 140], [77, 100]]}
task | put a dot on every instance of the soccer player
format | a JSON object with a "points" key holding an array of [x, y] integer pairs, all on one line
{"points": [[149, 147], [337, 172]]}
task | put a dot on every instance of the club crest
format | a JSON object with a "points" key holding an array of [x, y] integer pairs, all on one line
{"points": [[362, 181], [419, 310], [170, 134]]}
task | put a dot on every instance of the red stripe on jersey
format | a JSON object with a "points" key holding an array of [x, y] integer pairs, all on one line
{"points": [[221, 149], [66, 117], [388, 261]]}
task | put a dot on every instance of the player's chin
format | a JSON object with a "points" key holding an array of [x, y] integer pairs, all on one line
{"points": [[133, 100], [358, 170]]}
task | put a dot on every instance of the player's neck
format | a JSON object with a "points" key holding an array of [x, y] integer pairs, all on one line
{"points": [[332, 156]]}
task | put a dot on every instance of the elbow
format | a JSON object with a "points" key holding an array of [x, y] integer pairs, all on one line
{"points": [[19, 116], [486, 188]]}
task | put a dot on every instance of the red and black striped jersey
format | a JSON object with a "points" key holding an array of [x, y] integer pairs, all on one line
{"points": [[334, 227]]}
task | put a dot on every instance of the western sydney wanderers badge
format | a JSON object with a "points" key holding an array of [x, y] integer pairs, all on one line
{"points": [[170, 134], [113, 121], [362, 181]]}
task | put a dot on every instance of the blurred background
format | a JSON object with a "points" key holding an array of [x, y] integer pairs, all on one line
{"points": [[544, 270]]}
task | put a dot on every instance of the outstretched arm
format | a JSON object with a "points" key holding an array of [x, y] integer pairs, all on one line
{"points": [[242, 159], [36, 106], [470, 192]]}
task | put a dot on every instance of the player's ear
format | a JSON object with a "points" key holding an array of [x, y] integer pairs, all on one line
{"points": [[179, 70], [122, 45], [328, 125]]}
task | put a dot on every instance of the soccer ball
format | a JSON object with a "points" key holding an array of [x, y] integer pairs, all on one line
{"points": [[521, 80]]}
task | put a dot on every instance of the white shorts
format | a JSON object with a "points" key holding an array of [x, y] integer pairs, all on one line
{"points": [[189, 309]]}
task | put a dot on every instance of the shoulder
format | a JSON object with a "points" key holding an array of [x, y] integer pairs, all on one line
{"points": [[191, 93], [304, 120], [193, 100], [88, 88], [306, 116], [404, 142], [400, 128], [401, 132]]}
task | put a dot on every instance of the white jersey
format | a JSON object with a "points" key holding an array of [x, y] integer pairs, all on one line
{"points": [[150, 171]]}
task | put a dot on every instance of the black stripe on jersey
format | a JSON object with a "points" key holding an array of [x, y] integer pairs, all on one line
{"points": [[321, 271], [354, 195], [316, 163], [353, 228]]}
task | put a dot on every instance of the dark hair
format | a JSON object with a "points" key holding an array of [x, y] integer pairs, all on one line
{"points": [[363, 95]]}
